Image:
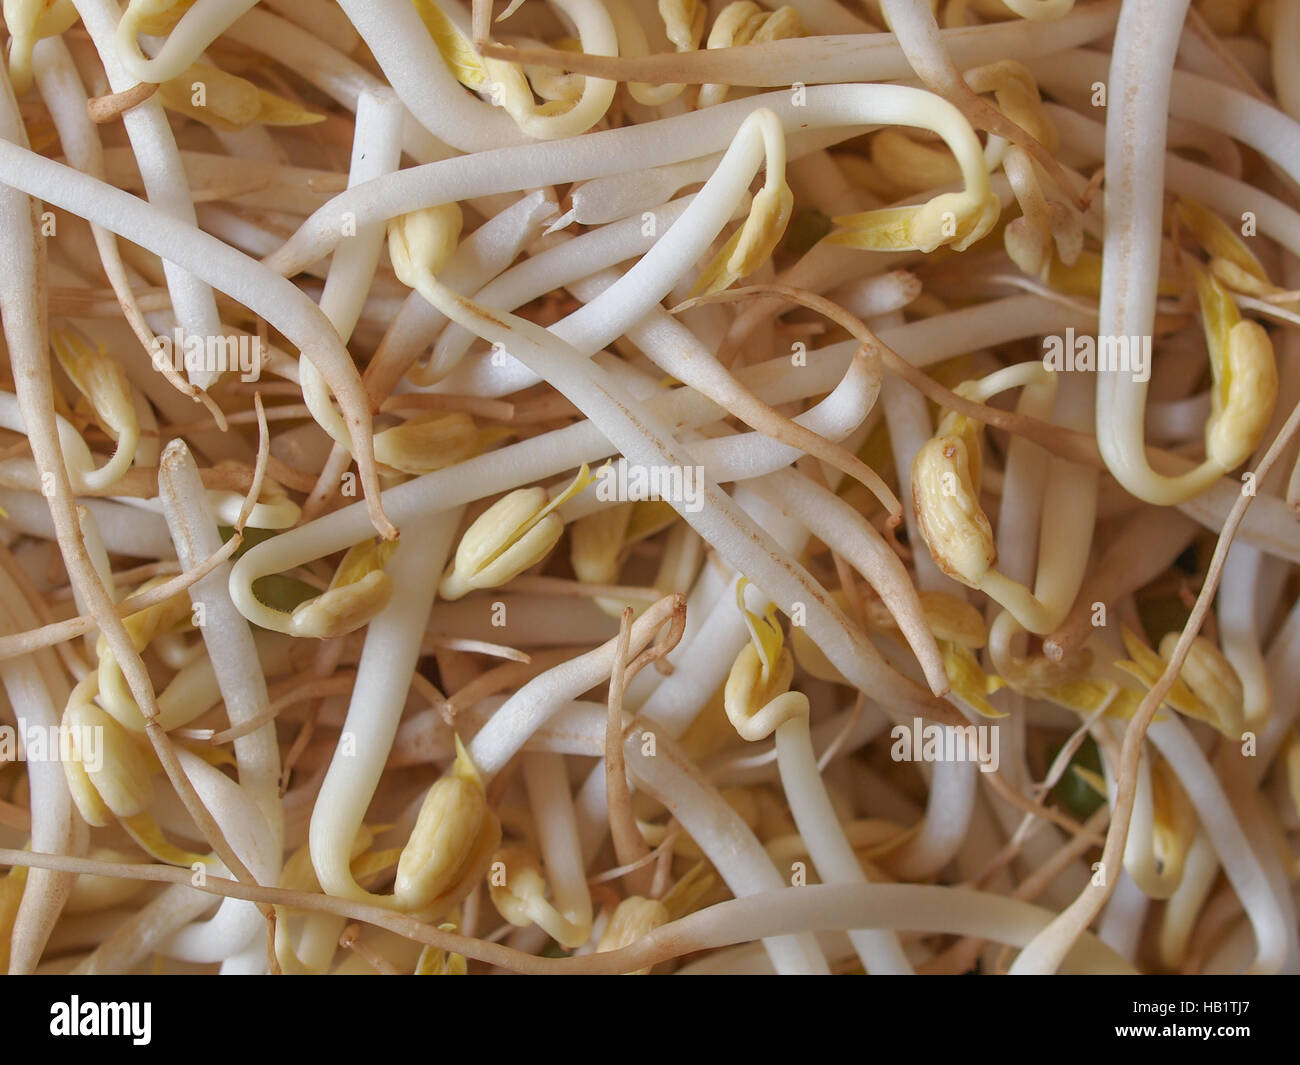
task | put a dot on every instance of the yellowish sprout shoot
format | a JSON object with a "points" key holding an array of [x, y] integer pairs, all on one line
{"points": [[1231, 261], [518, 891], [953, 218], [1017, 97], [757, 696], [1174, 822], [598, 542], [512, 535], [740, 22], [28, 21], [1245, 375], [421, 242], [911, 166], [1207, 688], [506, 86], [359, 590], [451, 845], [102, 383], [968, 680], [753, 243], [428, 442], [116, 781], [945, 496], [634, 918], [227, 102], [112, 689], [437, 962]]}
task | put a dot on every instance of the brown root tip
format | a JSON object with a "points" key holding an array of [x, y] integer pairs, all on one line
{"points": [[112, 106]]}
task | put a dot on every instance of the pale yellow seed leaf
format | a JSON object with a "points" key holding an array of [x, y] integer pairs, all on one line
{"points": [[953, 524], [968, 680]]}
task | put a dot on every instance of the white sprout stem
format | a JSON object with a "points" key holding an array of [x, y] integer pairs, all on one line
{"points": [[198, 27], [1265, 899], [824, 837], [340, 78], [388, 661], [900, 907], [226, 634], [907, 420], [714, 825], [873, 56], [478, 261], [615, 151], [1020, 512], [1140, 862], [846, 532], [1239, 636], [1247, 569], [22, 267], [272, 297], [646, 440], [700, 665], [413, 66], [1219, 192], [612, 199], [155, 152], [726, 841], [1146, 39], [1283, 665], [123, 529], [55, 823], [927, 341], [1215, 106], [1067, 514], [376, 150], [536, 702], [596, 36], [579, 727], [144, 931], [321, 18], [547, 782], [80, 462], [1137, 554], [236, 921], [65, 97], [951, 797], [923, 342], [571, 260], [1200, 870], [1120, 924]]}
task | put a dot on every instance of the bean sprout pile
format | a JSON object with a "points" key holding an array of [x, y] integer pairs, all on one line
{"points": [[628, 486]]}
